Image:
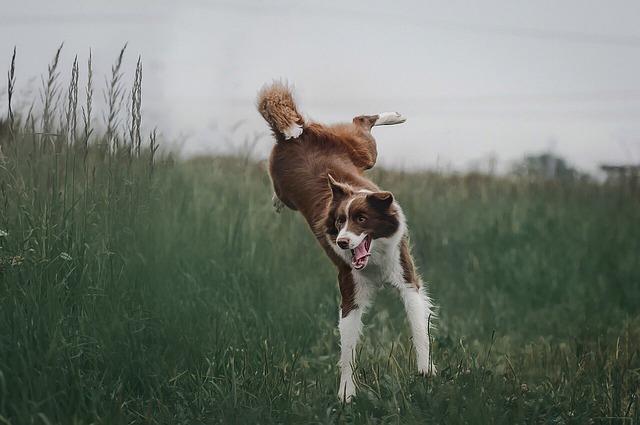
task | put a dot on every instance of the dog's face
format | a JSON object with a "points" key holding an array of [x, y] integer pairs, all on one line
{"points": [[357, 218]]}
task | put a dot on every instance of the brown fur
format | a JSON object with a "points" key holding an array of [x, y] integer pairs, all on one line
{"points": [[277, 107], [409, 269], [299, 169], [380, 219], [347, 290]]}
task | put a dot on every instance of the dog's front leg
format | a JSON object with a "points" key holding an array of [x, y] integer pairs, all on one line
{"points": [[350, 327], [278, 205], [419, 312], [356, 297]]}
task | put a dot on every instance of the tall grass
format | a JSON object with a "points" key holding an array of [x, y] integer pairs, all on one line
{"points": [[138, 289]]}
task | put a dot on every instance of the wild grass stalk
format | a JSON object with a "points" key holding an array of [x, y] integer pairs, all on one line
{"points": [[113, 96], [87, 109], [71, 116], [69, 129], [50, 96], [136, 116], [11, 84], [153, 147]]}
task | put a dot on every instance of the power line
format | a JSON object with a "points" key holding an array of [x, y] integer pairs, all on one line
{"points": [[413, 20], [80, 18], [608, 96], [537, 33], [271, 11]]}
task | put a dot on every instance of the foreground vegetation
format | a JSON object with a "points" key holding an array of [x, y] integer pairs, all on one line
{"points": [[136, 289]]}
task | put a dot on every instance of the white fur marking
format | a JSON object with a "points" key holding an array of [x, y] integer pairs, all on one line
{"points": [[342, 253], [292, 132], [350, 329], [419, 310], [389, 118], [354, 240], [348, 206]]}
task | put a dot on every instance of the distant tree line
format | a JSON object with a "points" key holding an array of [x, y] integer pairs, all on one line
{"points": [[547, 166]]}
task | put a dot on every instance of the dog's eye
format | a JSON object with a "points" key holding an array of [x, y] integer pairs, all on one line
{"points": [[339, 222], [361, 219]]}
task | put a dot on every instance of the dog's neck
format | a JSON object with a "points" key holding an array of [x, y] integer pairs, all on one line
{"points": [[385, 252]]}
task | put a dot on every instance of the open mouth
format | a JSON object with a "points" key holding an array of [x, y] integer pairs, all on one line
{"points": [[360, 254]]}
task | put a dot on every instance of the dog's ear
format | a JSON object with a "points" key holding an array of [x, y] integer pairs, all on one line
{"points": [[380, 200], [338, 190]]}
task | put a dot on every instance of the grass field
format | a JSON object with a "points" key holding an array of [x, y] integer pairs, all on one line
{"points": [[173, 294]]}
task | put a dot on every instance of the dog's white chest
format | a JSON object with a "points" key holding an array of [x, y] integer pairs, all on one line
{"points": [[384, 269]]}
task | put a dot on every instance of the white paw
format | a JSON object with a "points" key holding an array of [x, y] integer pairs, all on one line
{"points": [[389, 118], [428, 371], [347, 391], [278, 205], [294, 131]]}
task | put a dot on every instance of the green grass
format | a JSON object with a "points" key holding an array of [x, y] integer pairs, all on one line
{"points": [[177, 296]]}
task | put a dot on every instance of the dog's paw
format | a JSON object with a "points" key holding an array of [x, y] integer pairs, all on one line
{"points": [[347, 391], [278, 205], [428, 371], [390, 118]]}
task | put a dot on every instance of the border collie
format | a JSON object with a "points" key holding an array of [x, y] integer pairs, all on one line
{"points": [[319, 170]]}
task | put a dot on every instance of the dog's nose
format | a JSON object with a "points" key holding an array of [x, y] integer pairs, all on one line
{"points": [[343, 243]]}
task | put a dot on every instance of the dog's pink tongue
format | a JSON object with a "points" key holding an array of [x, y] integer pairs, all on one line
{"points": [[360, 252]]}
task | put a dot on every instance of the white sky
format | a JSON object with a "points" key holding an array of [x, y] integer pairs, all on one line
{"points": [[475, 79]]}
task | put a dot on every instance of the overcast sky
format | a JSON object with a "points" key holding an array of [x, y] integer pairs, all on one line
{"points": [[475, 79]]}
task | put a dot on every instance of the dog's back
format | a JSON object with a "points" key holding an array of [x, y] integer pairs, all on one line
{"points": [[305, 153]]}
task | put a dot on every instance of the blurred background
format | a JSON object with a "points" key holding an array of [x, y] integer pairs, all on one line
{"points": [[482, 83], [139, 288]]}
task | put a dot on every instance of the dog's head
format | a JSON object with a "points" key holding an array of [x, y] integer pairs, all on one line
{"points": [[357, 218]]}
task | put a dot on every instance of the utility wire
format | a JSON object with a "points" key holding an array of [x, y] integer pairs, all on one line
{"points": [[386, 16], [509, 99]]}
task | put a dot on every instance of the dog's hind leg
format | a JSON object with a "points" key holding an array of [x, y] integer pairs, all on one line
{"points": [[367, 122], [363, 146]]}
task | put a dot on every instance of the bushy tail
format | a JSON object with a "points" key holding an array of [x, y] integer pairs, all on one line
{"points": [[276, 105]]}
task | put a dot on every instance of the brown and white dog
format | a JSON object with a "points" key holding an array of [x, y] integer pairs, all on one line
{"points": [[318, 170]]}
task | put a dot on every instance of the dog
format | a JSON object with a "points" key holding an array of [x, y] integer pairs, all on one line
{"points": [[318, 170]]}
